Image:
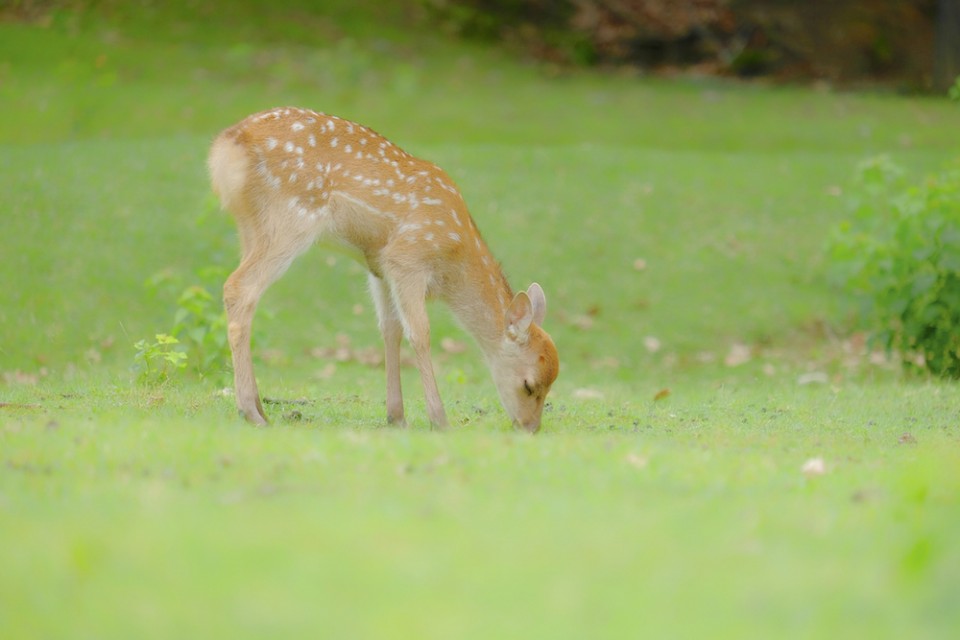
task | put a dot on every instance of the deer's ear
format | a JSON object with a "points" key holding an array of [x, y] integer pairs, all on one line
{"points": [[519, 317], [538, 301]]}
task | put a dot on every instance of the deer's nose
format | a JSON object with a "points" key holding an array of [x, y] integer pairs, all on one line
{"points": [[532, 426]]}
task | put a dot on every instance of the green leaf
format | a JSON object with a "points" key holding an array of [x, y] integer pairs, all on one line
{"points": [[900, 254]]}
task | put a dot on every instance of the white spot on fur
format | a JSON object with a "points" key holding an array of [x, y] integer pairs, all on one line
{"points": [[432, 201], [272, 180], [297, 126], [453, 235], [272, 144], [334, 141], [288, 146]]}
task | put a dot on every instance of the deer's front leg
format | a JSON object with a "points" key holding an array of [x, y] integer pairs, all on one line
{"points": [[392, 330]]}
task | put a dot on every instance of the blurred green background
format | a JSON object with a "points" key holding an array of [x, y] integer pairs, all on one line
{"points": [[676, 219]]}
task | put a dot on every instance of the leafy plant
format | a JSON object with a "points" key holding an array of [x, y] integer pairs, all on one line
{"points": [[954, 91], [157, 360], [201, 324], [197, 340], [899, 255]]}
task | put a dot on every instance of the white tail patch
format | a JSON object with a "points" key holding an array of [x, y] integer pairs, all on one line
{"points": [[229, 165]]}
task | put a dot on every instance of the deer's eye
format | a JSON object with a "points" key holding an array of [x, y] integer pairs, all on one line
{"points": [[527, 388]]}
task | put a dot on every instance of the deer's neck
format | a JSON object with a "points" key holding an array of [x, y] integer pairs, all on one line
{"points": [[481, 299]]}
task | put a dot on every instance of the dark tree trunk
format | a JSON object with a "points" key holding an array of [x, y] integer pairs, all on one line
{"points": [[946, 64]]}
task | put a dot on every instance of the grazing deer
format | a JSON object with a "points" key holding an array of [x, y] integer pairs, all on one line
{"points": [[292, 177]]}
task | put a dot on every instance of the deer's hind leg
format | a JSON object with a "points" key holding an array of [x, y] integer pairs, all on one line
{"points": [[266, 256]]}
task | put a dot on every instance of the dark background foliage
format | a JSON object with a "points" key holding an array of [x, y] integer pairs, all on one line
{"points": [[913, 43]]}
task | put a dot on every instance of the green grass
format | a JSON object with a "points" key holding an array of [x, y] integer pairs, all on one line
{"points": [[156, 519], [152, 511]]}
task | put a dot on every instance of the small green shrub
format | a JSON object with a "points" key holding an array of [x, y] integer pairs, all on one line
{"points": [[197, 340], [954, 92], [201, 324], [899, 255], [157, 360]]}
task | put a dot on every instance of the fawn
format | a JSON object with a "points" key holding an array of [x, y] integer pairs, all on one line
{"points": [[292, 177]]}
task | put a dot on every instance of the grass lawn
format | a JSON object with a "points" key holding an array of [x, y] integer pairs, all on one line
{"points": [[722, 456]]}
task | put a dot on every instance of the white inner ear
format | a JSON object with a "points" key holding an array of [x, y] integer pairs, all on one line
{"points": [[519, 316], [538, 302]]}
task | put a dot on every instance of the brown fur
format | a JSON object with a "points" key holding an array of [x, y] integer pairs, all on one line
{"points": [[292, 177]]}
